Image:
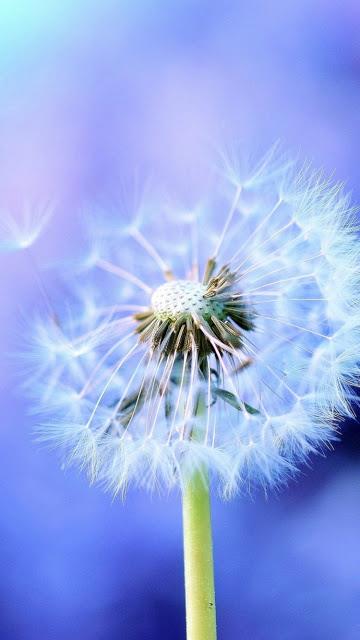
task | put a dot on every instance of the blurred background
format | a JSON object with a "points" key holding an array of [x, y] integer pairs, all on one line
{"points": [[92, 93]]}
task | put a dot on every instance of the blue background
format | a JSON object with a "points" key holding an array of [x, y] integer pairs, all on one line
{"points": [[93, 93]]}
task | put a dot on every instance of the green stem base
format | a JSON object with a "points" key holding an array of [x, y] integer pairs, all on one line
{"points": [[198, 559]]}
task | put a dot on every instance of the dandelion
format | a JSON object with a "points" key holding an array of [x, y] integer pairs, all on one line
{"points": [[215, 345]]}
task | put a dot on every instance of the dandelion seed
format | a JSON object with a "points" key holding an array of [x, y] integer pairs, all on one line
{"points": [[22, 230]]}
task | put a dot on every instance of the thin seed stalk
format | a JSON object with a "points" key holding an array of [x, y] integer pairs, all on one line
{"points": [[198, 559]]}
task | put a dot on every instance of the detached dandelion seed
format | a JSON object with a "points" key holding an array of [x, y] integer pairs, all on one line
{"points": [[224, 354], [18, 232]]}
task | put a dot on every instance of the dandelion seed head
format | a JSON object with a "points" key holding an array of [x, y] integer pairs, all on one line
{"points": [[226, 338]]}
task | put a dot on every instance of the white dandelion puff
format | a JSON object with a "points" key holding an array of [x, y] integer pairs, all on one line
{"points": [[226, 339]]}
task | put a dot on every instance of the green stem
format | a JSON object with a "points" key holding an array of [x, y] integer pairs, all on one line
{"points": [[198, 558]]}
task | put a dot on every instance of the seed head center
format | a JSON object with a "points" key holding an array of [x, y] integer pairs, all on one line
{"points": [[182, 298]]}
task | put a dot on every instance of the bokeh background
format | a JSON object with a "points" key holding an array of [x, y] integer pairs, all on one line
{"points": [[93, 93]]}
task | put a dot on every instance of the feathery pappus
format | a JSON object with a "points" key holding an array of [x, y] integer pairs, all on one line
{"points": [[225, 336]]}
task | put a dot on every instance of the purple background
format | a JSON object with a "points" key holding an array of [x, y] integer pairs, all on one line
{"points": [[93, 93]]}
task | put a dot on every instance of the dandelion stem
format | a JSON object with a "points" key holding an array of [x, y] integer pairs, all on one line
{"points": [[198, 559]]}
